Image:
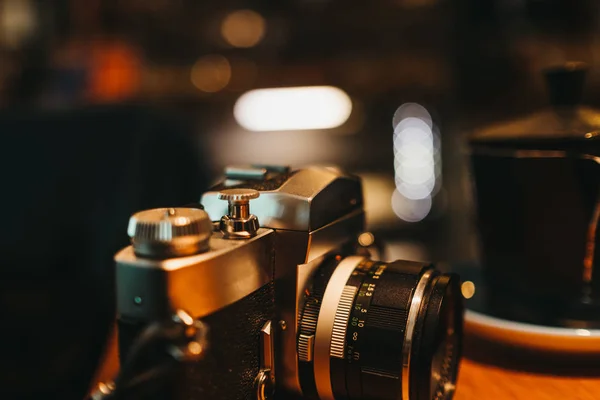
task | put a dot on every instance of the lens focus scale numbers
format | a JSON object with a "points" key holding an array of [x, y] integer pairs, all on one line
{"points": [[358, 322], [374, 365], [350, 365], [365, 280]]}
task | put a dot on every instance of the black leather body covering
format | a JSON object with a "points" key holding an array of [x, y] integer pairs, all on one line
{"points": [[232, 361]]}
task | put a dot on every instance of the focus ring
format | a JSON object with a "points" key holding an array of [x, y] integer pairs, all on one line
{"points": [[331, 300], [340, 324]]}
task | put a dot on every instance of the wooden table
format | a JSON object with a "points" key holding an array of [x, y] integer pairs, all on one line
{"points": [[494, 373], [480, 381]]}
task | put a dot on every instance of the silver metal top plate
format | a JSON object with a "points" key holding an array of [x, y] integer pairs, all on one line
{"points": [[307, 200], [200, 284]]}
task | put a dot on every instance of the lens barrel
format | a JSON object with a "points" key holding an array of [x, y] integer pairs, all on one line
{"points": [[375, 330]]}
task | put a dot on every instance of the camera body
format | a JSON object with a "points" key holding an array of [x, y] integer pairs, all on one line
{"points": [[272, 265], [240, 285]]}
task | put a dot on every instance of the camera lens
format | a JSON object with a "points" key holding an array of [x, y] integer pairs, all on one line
{"points": [[375, 330]]}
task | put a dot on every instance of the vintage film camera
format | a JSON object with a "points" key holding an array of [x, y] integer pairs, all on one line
{"points": [[295, 307]]}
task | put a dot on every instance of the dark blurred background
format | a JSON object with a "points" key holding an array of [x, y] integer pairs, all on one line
{"points": [[466, 62], [111, 106]]}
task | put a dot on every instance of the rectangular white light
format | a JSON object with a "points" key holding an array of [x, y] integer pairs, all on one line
{"points": [[293, 108]]}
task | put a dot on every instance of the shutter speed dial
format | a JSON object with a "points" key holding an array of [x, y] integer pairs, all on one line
{"points": [[239, 223]]}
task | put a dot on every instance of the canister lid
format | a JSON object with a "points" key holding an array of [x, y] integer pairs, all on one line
{"points": [[565, 123]]}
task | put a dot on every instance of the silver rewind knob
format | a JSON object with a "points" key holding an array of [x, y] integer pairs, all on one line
{"points": [[239, 223], [170, 232]]}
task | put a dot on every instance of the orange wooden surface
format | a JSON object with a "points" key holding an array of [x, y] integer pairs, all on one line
{"points": [[481, 381], [492, 371], [497, 374]]}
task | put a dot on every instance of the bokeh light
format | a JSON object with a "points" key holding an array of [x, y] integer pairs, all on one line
{"points": [[410, 210], [211, 73], [467, 289], [243, 28], [115, 73], [18, 21], [412, 112], [293, 108], [416, 162], [366, 239]]}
